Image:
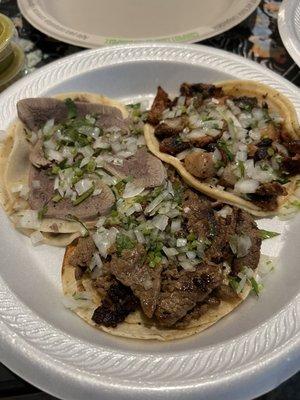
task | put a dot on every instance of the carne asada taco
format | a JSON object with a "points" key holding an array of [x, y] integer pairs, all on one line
{"points": [[164, 264], [236, 141], [62, 156]]}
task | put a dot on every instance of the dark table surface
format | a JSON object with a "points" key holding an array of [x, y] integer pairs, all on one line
{"points": [[256, 38]]}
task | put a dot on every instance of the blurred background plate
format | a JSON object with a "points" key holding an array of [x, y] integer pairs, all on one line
{"points": [[242, 356], [92, 23], [289, 27]]}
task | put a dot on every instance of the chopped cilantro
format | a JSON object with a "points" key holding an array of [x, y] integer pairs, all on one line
{"points": [[221, 144], [72, 109], [83, 196], [256, 287], [241, 168], [124, 242], [42, 212], [233, 282], [267, 234], [56, 198]]}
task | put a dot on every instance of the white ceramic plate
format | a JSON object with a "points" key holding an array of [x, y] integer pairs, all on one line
{"points": [[289, 27], [92, 23], [247, 353]]}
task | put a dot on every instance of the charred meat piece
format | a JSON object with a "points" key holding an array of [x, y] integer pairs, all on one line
{"points": [[180, 296], [132, 270], [228, 178], [199, 215], [83, 252], [200, 165], [146, 170], [246, 226], [204, 141], [245, 102], [271, 132], [160, 103], [35, 112], [89, 209], [225, 292], [262, 150], [118, 303], [266, 196], [203, 89], [292, 165], [173, 145], [197, 312], [293, 146], [170, 127]]}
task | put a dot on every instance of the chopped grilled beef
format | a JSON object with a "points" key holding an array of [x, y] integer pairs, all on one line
{"points": [[271, 132], [291, 164], [83, 252], [132, 269], [225, 292], [203, 89], [118, 303], [203, 141], [179, 296], [219, 249], [245, 102], [246, 226], [104, 281], [200, 165], [173, 145], [170, 127], [160, 103], [266, 196], [293, 146], [146, 170], [199, 215], [265, 142], [228, 178], [91, 208], [251, 148]]}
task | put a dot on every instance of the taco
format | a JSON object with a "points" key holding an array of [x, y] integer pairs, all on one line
{"points": [[60, 159], [235, 141], [164, 264]]}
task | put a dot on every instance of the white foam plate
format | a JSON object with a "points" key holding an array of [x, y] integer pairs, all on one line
{"points": [[289, 27], [92, 23], [244, 355]]}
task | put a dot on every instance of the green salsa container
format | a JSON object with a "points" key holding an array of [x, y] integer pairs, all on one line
{"points": [[11, 55]]}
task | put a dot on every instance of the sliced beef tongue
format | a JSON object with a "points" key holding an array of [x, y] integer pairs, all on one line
{"points": [[89, 209], [132, 270], [35, 112], [246, 226], [179, 296], [117, 304], [146, 170]]}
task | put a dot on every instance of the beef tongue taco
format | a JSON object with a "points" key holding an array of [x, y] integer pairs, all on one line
{"points": [[237, 141], [61, 158], [164, 264]]}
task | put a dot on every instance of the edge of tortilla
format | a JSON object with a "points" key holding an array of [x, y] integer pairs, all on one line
{"points": [[135, 326], [15, 148], [277, 102]]}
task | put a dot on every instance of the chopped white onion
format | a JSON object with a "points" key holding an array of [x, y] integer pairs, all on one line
{"points": [[36, 238], [160, 222], [86, 151], [240, 245], [181, 242], [225, 211], [170, 251], [100, 222], [139, 236], [281, 149], [136, 207], [48, 126], [175, 225], [191, 255], [54, 155], [104, 240], [97, 192], [241, 284], [246, 186], [131, 190], [95, 261], [36, 184], [217, 156], [154, 203], [187, 265], [83, 185], [100, 144]]}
